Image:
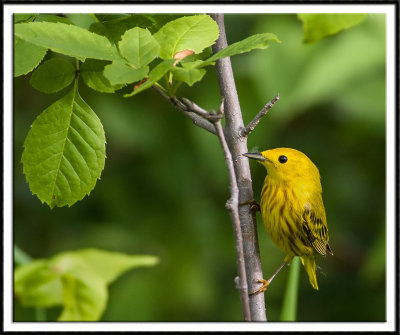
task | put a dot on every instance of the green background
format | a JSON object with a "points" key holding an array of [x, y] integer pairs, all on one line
{"points": [[164, 186]]}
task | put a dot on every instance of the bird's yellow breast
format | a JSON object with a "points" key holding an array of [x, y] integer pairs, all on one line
{"points": [[282, 207]]}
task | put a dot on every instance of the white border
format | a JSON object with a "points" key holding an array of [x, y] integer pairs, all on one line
{"points": [[196, 8], [189, 326]]}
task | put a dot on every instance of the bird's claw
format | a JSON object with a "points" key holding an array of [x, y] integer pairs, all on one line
{"points": [[263, 288], [254, 205]]}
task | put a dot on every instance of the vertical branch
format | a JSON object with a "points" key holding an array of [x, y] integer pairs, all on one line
{"points": [[233, 205], [205, 120], [238, 146]]}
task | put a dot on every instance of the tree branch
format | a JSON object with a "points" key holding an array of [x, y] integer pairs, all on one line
{"points": [[232, 204], [191, 114], [237, 146], [250, 127]]}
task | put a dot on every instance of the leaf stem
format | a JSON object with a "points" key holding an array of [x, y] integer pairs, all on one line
{"points": [[175, 88], [289, 307]]}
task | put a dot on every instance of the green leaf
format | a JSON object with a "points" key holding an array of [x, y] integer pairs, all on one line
{"points": [[64, 151], [110, 265], [26, 56], [52, 18], [92, 75], [113, 26], [154, 22], [188, 74], [187, 33], [121, 73], [86, 274], [53, 75], [207, 52], [111, 17], [258, 41], [67, 39], [24, 17], [155, 75], [84, 296], [318, 26], [81, 20], [37, 285], [112, 29], [138, 46], [76, 280]]}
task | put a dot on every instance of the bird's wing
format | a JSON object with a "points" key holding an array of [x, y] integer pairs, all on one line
{"points": [[315, 228]]}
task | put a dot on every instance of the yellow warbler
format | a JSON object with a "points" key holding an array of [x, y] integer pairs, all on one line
{"points": [[292, 208]]}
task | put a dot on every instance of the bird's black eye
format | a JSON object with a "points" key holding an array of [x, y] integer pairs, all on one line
{"points": [[282, 159]]}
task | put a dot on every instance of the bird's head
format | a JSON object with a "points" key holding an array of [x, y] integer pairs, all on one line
{"points": [[286, 164]]}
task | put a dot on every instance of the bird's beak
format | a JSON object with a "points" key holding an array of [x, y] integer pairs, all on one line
{"points": [[255, 155]]}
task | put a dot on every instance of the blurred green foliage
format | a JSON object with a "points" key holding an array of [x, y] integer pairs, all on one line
{"points": [[165, 184]]}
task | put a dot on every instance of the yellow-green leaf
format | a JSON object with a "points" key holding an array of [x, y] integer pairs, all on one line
{"points": [[318, 26], [195, 33]]}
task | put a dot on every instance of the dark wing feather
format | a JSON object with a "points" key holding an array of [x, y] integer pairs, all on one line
{"points": [[316, 230]]}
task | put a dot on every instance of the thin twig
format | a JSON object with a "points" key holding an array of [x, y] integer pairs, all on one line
{"points": [[250, 127], [202, 112], [232, 204], [196, 119]]}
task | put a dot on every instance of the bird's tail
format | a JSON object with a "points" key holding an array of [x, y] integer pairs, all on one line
{"points": [[309, 265]]}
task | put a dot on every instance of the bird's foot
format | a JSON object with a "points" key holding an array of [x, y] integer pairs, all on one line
{"points": [[254, 205], [263, 288]]}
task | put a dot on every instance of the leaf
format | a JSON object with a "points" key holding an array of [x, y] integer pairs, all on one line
{"points": [[111, 17], [84, 297], [190, 32], [26, 56], [206, 53], [76, 280], [318, 26], [113, 26], [36, 285], [81, 20], [64, 151], [110, 265], [53, 75], [179, 56], [67, 39], [154, 22], [121, 73], [258, 41], [92, 75], [155, 75], [52, 18], [138, 46], [86, 274], [189, 75], [112, 29], [183, 54], [23, 17]]}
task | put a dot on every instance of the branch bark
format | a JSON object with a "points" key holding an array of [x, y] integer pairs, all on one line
{"points": [[237, 146], [196, 119], [250, 127]]}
